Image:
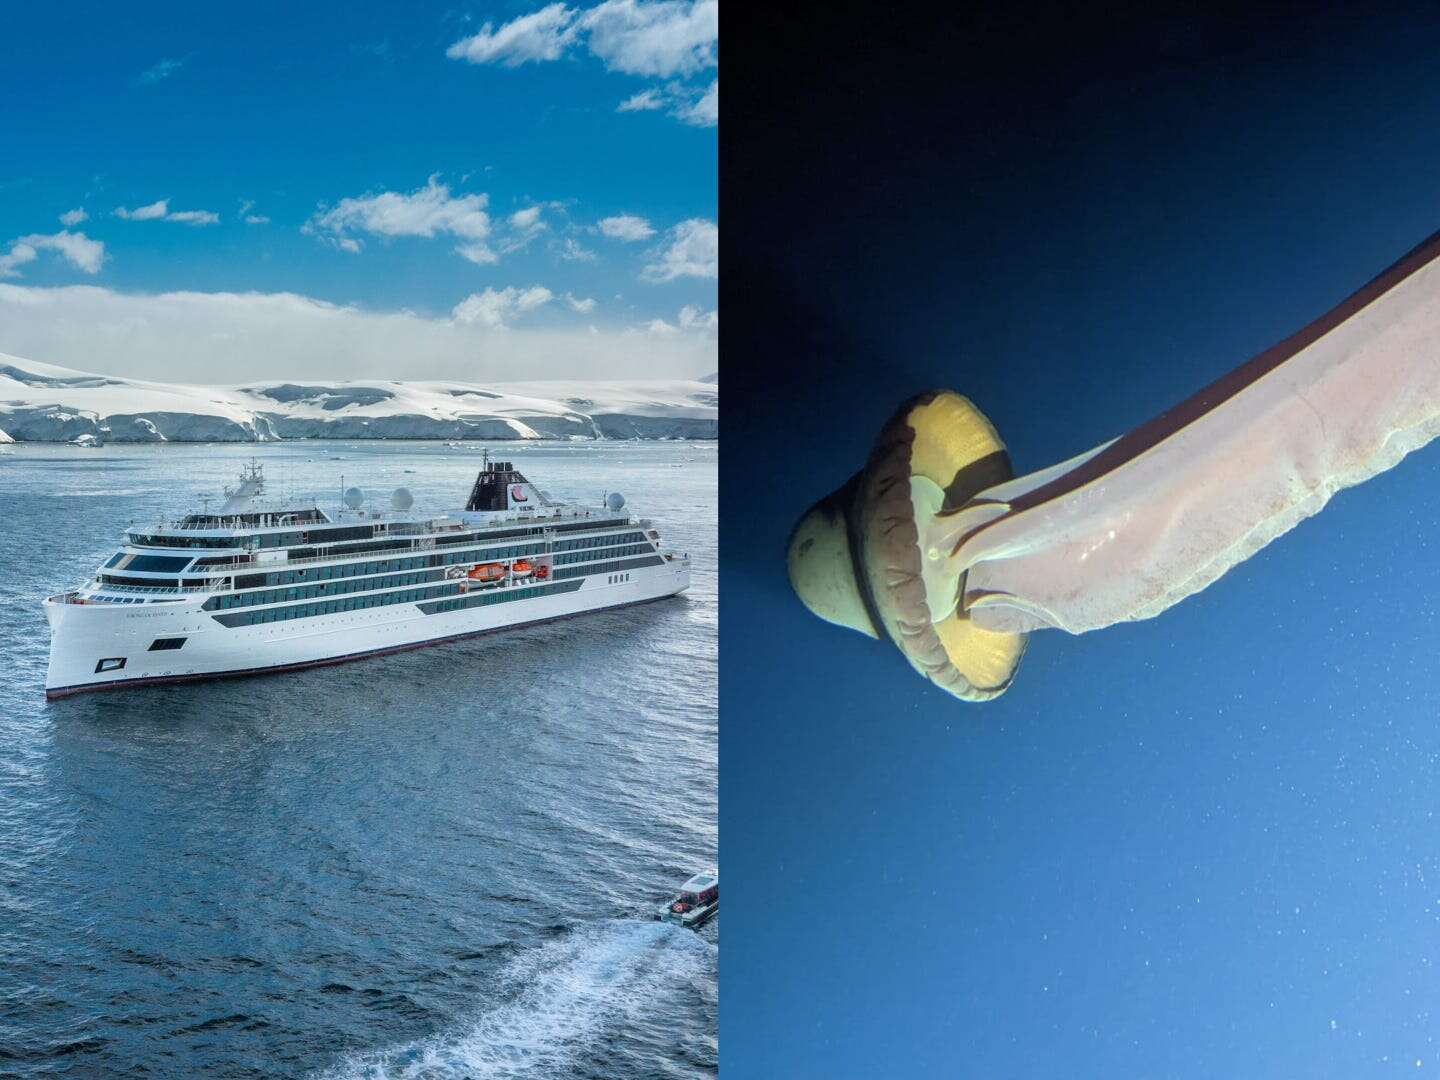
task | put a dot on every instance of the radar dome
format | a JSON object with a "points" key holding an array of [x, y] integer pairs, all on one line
{"points": [[615, 500], [401, 499], [354, 498]]}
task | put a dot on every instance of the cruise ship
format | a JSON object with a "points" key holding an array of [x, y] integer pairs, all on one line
{"points": [[261, 587]]}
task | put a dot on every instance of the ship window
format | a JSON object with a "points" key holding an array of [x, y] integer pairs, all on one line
{"points": [[112, 663], [161, 644], [158, 564]]}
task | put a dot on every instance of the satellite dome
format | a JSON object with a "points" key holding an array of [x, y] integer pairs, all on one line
{"points": [[401, 499], [354, 498], [615, 500]]}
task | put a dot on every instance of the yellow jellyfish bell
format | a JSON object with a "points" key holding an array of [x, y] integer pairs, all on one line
{"points": [[856, 559]]}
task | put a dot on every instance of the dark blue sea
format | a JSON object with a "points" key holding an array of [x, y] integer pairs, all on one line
{"points": [[436, 864]]}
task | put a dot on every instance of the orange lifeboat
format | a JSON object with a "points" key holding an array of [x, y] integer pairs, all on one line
{"points": [[486, 572], [542, 572], [521, 568]]}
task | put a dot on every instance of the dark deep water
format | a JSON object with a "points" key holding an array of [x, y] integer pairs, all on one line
{"points": [[434, 864]]}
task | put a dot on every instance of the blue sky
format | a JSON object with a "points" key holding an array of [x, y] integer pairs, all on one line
{"points": [[523, 190]]}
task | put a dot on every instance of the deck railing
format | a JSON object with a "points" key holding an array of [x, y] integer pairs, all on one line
{"points": [[210, 585]]}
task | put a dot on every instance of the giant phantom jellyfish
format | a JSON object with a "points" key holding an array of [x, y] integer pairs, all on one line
{"points": [[936, 546]]}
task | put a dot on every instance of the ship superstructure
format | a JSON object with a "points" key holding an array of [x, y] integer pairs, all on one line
{"points": [[262, 587]]}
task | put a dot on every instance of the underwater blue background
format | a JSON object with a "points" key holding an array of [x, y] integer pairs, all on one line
{"points": [[1203, 845]]}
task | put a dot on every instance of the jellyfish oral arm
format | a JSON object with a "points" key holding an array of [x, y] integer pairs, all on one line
{"points": [[1136, 525]]}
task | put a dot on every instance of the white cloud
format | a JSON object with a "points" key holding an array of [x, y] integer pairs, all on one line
{"points": [[665, 38], [75, 248], [246, 206], [626, 227], [427, 212], [160, 71], [144, 213], [572, 250], [584, 305], [19, 254], [697, 105], [660, 328], [74, 217], [661, 38], [476, 253], [692, 318], [644, 101], [194, 217], [283, 335], [160, 211], [541, 35], [703, 111], [694, 251], [496, 307], [525, 225]]}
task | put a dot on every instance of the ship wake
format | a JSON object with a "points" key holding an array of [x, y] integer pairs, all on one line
{"points": [[554, 1006]]}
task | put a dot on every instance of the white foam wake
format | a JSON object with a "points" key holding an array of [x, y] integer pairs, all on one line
{"points": [[553, 1002]]}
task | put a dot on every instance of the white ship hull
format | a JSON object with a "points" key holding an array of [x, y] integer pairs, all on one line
{"points": [[83, 635]]}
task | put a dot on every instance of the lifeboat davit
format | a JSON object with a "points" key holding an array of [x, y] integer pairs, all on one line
{"points": [[521, 568], [486, 572]]}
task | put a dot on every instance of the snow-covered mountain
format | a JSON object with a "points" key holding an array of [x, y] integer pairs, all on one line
{"points": [[44, 403]]}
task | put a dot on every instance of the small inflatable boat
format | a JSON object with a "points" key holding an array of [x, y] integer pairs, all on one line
{"points": [[698, 899]]}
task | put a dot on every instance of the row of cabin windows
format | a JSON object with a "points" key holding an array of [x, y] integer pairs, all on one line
{"points": [[616, 579], [303, 553], [489, 535], [321, 589], [331, 607], [328, 573], [496, 596], [599, 541], [511, 551], [581, 556], [382, 566], [607, 567], [485, 537]]}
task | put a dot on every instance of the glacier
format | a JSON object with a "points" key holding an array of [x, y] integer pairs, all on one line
{"points": [[44, 403]]}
